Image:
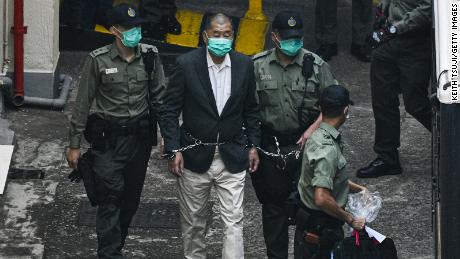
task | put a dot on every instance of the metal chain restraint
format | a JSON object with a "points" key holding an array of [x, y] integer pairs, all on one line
{"points": [[198, 142], [278, 153]]}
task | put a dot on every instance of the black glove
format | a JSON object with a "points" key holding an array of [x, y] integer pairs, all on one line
{"points": [[75, 176], [381, 36], [85, 172], [383, 30]]}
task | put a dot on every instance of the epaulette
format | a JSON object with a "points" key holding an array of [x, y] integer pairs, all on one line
{"points": [[322, 137], [100, 51], [327, 139], [261, 54], [146, 47]]}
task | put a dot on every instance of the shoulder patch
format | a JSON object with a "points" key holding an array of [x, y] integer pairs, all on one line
{"points": [[261, 54], [100, 51], [145, 47]]}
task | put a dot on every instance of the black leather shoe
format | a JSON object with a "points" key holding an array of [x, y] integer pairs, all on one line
{"points": [[377, 168], [327, 51], [361, 52]]}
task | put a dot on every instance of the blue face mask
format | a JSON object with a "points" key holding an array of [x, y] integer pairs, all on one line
{"points": [[132, 37], [291, 47], [219, 46]]}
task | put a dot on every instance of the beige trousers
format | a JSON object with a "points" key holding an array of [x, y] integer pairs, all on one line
{"points": [[194, 193]]}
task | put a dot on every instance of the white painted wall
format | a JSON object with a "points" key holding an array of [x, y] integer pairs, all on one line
{"points": [[2, 26], [1, 35], [41, 48], [41, 43]]}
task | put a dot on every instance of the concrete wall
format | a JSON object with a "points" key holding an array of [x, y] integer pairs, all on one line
{"points": [[2, 26], [1, 35], [41, 46]]}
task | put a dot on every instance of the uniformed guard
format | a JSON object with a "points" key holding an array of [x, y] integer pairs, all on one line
{"points": [[324, 183], [326, 28], [401, 63], [289, 80], [125, 80]]}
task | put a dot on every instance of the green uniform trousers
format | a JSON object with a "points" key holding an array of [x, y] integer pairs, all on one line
{"points": [[273, 186], [402, 65], [119, 173], [326, 21]]}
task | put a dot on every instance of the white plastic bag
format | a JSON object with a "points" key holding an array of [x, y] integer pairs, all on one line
{"points": [[364, 205]]}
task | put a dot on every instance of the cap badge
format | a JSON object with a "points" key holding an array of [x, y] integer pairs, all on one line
{"points": [[292, 22], [131, 12]]}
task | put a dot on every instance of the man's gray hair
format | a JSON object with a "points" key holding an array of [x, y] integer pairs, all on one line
{"points": [[220, 18]]}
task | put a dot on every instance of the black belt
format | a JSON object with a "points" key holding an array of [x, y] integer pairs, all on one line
{"points": [[422, 32], [125, 129]]}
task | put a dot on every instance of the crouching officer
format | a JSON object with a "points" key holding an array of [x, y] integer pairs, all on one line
{"points": [[324, 184], [289, 80], [125, 79]]}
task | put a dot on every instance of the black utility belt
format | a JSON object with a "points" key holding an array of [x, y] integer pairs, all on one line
{"points": [[132, 128], [422, 32], [99, 128]]}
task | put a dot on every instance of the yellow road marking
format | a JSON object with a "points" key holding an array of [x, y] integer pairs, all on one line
{"points": [[251, 36], [253, 28], [102, 29], [255, 11], [191, 23]]}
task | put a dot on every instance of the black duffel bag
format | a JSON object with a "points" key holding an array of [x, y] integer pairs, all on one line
{"points": [[361, 246]]}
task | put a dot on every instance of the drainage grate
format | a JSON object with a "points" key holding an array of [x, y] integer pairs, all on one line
{"points": [[149, 215], [25, 173]]}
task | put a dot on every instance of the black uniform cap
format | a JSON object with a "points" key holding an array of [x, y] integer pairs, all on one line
{"points": [[289, 24], [335, 96], [125, 15]]}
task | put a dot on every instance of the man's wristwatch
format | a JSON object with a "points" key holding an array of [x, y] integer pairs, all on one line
{"points": [[392, 29]]}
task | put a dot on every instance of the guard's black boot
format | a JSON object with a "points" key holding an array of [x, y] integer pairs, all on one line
{"points": [[171, 24], [361, 52], [377, 168], [327, 51]]}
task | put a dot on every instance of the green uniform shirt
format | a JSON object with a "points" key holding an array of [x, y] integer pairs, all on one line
{"points": [[408, 15], [280, 90], [323, 165], [119, 88]]}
